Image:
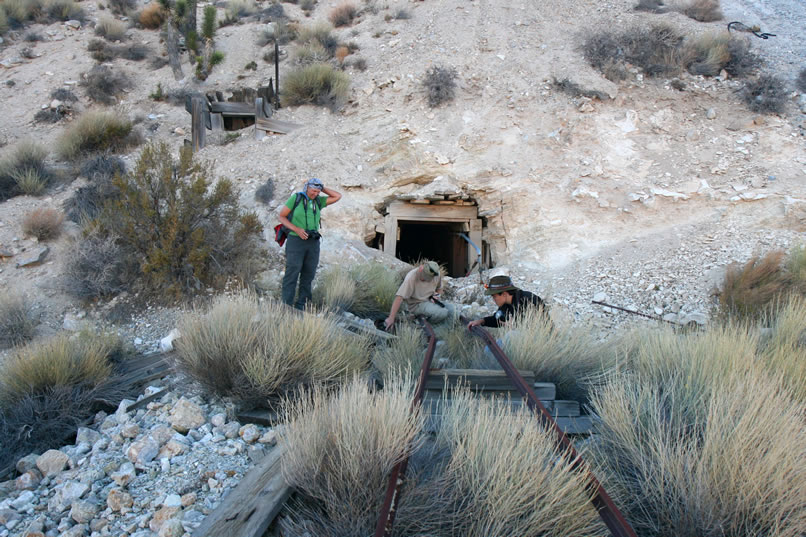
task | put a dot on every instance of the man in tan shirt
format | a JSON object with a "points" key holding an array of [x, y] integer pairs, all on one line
{"points": [[416, 292]]}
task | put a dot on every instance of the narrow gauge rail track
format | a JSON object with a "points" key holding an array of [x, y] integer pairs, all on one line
{"points": [[609, 513]]}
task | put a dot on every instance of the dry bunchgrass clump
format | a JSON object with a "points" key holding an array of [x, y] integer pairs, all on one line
{"points": [[3, 21], [44, 223], [560, 353], [307, 6], [685, 430], [96, 131], [335, 289], [767, 94], [508, 475], [237, 9], [49, 389], [800, 82], [343, 14], [462, 348], [783, 347], [122, 7], [311, 53], [340, 449], [95, 266], [751, 290], [110, 29], [318, 84], [440, 84], [321, 33], [257, 351], [63, 10], [341, 53], [61, 361], [709, 53], [703, 10], [16, 320], [24, 171], [152, 16], [105, 52], [402, 356]]}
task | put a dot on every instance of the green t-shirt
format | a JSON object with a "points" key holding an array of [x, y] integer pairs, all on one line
{"points": [[304, 215]]}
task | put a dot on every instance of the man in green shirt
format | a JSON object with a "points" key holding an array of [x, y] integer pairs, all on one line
{"points": [[302, 245]]}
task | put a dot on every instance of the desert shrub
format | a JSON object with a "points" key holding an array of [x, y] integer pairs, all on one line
{"points": [[653, 6], [44, 223], [321, 33], [709, 53], [51, 115], [783, 346], [96, 266], [64, 95], [152, 16], [259, 351], [208, 22], [103, 84], [3, 21], [63, 10], [800, 82], [20, 11], [565, 355], [767, 94], [17, 322], [402, 356], [265, 192], [796, 269], [110, 29], [335, 289], [742, 60], [463, 349], [342, 15], [307, 6], [703, 10], [752, 290], [341, 53], [674, 442], [24, 170], [216, 58], [653, 49], [440, 85], [358, 63], [251, 66], [240, 8], [89, 200], [49, 389], [375, 286], [96, 132], [604, 52], [32, 37], [342, 448], [318, 84], [121, 7], [311, 53], [186, 232], [104, 52], [273, 12]]}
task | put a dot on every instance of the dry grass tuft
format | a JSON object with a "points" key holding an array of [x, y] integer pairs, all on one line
{"points": [[96, 131], [800, 82], [321, 33], [402, 356], [318, 84], [152, 16], [783, 349], [703, 10], [440, 85], [343, 14], [563, 354], [335, 289], [110, 29], [17, 323], [767, 94], [44, 223], [751, 290], [24, 171], [463, 349], [253, 351], [103, 84], [95, 266], [366, 289]]}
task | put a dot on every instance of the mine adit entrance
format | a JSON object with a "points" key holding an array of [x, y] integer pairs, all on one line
{"points": [[413, 231]]}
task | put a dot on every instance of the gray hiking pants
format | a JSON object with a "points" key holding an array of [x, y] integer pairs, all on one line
{"points": [[301, 260]]}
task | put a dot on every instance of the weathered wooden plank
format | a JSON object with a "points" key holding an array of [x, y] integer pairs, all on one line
{"points": [[216, 122], [145, 400], [249, 509], [198, 129], [259, 114], [275, 125], [259, 416], [578, 425], [233, 108], [477, 379]]}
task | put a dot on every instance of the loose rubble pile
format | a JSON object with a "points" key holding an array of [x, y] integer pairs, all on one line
{"points": [[155, 471]]}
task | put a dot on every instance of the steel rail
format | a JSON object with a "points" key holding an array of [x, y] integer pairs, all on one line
{"points": [[386, 519], [647, 316], [604, 505]]}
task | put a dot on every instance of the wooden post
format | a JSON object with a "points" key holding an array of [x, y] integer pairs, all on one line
{"points": [[276, 74], [216, 122], [198, 108], [259, 114], [172, 45]]}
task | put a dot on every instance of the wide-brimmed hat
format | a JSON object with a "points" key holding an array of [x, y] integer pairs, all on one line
{"points": [[431, 269], [499, 284]]}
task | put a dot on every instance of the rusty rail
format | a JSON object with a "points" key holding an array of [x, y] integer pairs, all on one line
{"points": [[386, 519], [633, 312], [604, 505]]}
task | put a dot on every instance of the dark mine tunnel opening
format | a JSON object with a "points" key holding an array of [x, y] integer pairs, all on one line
{"points": [[438, 241]]}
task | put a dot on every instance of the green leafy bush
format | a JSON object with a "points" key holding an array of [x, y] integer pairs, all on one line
{"points": [[185, 232], [318, 84]]}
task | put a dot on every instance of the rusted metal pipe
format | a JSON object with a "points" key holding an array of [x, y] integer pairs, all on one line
{"points": [[386, 519], [653, 317], [604, 505]]}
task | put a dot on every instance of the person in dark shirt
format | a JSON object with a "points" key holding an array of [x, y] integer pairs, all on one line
{"points": [[510, 301]]}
